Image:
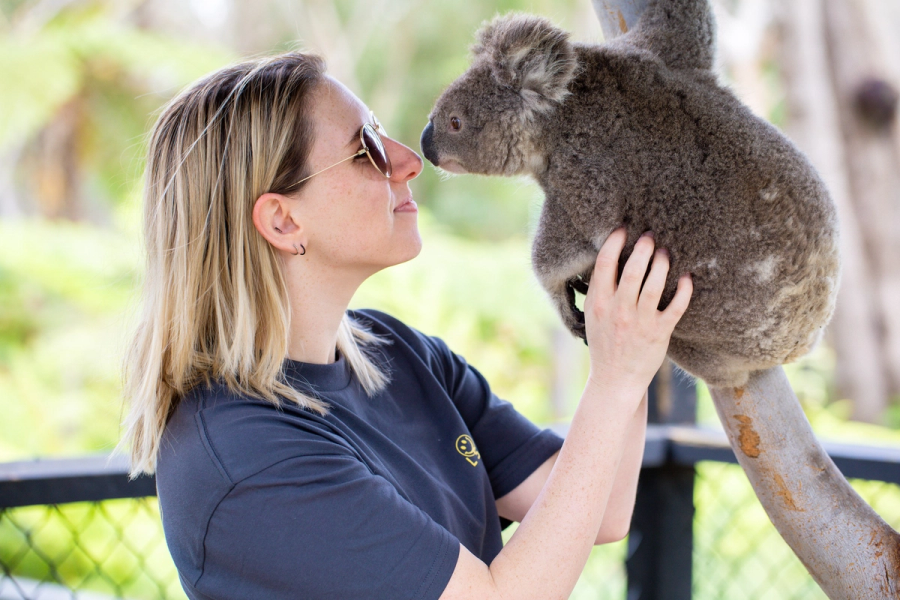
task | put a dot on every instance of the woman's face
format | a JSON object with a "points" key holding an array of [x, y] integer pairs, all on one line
{"points": [[353, 216]]}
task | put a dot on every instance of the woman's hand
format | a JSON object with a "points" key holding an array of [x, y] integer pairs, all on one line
{"points": [[627, 333]]}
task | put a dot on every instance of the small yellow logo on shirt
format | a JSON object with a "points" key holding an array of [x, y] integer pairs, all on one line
{"points": [[465, 445]]}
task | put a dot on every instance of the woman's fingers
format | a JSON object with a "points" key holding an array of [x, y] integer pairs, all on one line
{"points": [[656, 281], [607, 266], [635, 269], [679, 303]]}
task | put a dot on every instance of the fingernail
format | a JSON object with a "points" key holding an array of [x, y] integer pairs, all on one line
{"points": [[664, 252], [648, 234]]}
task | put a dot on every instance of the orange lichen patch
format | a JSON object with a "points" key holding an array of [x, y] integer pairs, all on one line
{"points": [[785, 494], [623, 26], [739, 393], [748, 439], [878, 544]]}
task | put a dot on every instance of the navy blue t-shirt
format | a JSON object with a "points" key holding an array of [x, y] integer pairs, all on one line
{"points": [[370, 501]]}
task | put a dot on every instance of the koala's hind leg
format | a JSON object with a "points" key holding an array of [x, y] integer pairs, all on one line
{"points": [[681, 32], [563, 262]]}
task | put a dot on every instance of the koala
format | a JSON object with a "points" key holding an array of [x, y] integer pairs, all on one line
{"points": [[639, 132]]}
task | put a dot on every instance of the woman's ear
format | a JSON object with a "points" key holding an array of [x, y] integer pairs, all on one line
{"points": [[273, 220]]}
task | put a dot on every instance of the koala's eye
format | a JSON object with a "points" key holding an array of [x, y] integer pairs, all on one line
{"points": [[455, 123]]}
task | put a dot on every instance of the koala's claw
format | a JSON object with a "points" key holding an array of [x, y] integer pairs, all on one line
{"points": [[579, 285], [573, 317]]}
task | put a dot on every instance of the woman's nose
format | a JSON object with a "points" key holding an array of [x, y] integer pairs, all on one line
{"points": [[406, 164]]}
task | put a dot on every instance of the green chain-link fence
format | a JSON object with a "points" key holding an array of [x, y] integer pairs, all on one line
{"points": [[738, 554], [86, 551], [115, 548]]}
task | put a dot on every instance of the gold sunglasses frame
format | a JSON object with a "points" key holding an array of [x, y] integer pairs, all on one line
{"points": [[376, 131]]}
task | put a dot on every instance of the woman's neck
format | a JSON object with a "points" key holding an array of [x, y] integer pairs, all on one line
{"points": [[319, 298]]}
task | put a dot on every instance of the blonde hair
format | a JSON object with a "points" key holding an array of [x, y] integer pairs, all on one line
{"points": [[215, 301]]}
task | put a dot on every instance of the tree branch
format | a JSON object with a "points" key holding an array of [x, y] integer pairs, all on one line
{"points": [[618, 16], [847, 548]]}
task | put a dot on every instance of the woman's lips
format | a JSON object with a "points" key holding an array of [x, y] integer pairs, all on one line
{"points": [[408, 206]]}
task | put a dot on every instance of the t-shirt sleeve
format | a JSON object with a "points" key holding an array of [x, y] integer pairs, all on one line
{"points": [[511, 446], [323, 527]]}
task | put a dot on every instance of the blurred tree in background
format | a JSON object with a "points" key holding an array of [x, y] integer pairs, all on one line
{"points": [[82, 83], [828, 72]]}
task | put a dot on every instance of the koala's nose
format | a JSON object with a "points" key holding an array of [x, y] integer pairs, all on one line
{"points": [[427, 143]]}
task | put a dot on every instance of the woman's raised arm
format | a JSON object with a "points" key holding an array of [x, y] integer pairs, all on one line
{"points": [[628, 337]]}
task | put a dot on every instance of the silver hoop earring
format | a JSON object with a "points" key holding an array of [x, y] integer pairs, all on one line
{"points": [[297, 252]]}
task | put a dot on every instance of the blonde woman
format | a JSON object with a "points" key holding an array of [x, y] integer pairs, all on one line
{"points": [[306, 451]]}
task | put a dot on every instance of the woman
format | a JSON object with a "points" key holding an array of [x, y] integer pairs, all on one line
{"points": [[306, 451]]}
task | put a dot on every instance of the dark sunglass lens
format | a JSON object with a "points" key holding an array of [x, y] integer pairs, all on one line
{"points": [[376, 150]]}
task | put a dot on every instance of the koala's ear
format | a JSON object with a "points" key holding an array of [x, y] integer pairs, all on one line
{"points": [[529, 54]]}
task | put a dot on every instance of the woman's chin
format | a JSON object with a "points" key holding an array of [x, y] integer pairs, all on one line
{"points": [[412, 248], [403, 249]]}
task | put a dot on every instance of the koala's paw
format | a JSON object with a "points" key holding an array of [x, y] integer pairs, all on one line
{"points": [[571, 315]]}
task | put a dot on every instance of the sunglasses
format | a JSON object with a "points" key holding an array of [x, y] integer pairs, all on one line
{"points": [[372, 146]]}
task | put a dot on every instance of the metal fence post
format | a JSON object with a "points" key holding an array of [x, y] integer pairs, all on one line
{"points": [[660, 544]]}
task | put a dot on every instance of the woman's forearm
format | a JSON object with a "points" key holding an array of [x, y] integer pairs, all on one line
{"points": [[619, 509], [558, 532]]}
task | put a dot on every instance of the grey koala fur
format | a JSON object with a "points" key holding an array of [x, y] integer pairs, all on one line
{"points": [[639, 132]]}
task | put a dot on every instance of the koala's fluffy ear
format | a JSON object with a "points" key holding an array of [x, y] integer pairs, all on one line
{"points": [[529, 54]]}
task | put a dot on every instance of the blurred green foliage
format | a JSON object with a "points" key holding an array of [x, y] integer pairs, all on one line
{"points": [[113, 75], [68, 287], [68, 291]]}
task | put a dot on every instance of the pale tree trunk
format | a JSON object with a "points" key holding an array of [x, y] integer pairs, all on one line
{"points": [[860, 70], [814, 122], [618, 16], [744, 38], [847, 548]]}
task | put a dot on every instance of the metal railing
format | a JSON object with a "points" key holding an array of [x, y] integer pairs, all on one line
{"points": [[79, 529]]}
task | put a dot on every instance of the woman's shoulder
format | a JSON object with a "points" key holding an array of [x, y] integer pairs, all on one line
{"points": [[239, 435]]}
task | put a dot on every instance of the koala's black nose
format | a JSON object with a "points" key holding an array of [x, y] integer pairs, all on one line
{"points": [[427, 143]]}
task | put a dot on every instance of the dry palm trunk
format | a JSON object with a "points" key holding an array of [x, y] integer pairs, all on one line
{"points": [[847, 548]]}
